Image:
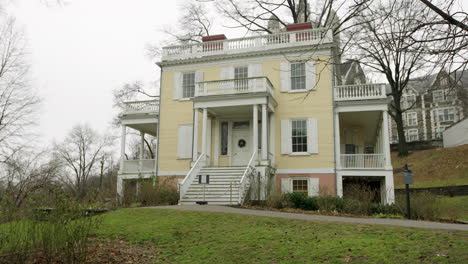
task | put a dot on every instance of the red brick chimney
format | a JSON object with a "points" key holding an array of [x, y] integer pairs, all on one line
{"points": [[299, 27], [213, 38]]}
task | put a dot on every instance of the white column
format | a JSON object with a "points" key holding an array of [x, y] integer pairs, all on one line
{"points": [[389, 189], [122, 147], [216, 143], [264, 132], [142, 149], [195, 135], [255, 128], [385, 141], [142, 144], [337, 141], [119, 189], [339, 185], [204, 129], [272, 138]]}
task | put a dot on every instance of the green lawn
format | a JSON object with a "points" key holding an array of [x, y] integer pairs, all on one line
{"points": [[200, 237], [455, 207]]}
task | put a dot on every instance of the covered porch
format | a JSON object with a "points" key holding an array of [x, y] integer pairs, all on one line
{"points": [[233, 135]]}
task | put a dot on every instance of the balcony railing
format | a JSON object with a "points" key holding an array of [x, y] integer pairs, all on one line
{"points": [[360, 92], [234, 86], [140, 107], [241, 45], [139, 166], [362, 161]]}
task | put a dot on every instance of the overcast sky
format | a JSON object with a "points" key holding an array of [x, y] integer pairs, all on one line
{"points": [[81, 51]]}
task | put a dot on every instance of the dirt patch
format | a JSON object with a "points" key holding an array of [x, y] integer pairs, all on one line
{"points": [[119, 251]]}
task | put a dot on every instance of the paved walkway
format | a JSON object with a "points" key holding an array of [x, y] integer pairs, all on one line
{"points": [[310, 217]]}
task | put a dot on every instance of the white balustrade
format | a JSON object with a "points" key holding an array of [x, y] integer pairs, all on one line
{"points": [[240, 45], [234, 86], [362, 161], [244, 182], [138, 166], [360, 92], [189, 178], [148, 106]]}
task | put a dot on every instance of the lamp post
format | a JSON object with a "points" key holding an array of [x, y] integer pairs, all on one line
{"points": [[408, 179]]}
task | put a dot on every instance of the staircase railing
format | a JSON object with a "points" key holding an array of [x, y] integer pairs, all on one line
{"points": [[185, 184], [244, 182]]}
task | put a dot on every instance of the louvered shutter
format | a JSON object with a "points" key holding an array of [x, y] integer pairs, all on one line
{"points": [[286, 185], [255, 70], [310, 75], [184, 142], [312, 136], [313, 186], [285, 76], [286, 137], [177, 92]]}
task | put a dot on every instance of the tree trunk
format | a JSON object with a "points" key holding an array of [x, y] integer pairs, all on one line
{"points": [[402, 146]]}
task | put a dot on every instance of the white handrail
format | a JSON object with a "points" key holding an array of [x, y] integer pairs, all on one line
{"points": [[363, 161], [141, 106], [315, 36], [360, 92], [245, 180], [234, 86], [185, 184]]}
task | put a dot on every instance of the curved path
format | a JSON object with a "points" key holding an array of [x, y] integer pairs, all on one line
{"points": [[311, 217]]}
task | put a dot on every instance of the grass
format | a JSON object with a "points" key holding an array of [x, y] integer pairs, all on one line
{"points": [[201, 237], [455, 207], [435, 167]]}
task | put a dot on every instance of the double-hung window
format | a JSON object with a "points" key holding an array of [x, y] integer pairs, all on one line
{"points": [[299, 135], [300, 185], [298, 76], [412, 135], [240, 75], [409, 101], [188, 84], [412, 119], [447, 114], [439, 132], [438, 96]]}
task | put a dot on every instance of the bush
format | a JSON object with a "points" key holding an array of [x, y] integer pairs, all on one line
{"points": [[424, 205], [383, 209], [302, 201], [164, 192], [54, 235], [278, 201], [330, 203], [357, 207]]}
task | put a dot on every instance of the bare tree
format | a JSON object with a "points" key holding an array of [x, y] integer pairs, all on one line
{"points": [[18, 102], [261, 15], [80, 153], [25, 173], [384, 42]]}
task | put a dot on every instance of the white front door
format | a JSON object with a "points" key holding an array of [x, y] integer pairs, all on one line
{"points": [[241, 146]]}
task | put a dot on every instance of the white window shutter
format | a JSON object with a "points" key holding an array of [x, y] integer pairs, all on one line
{"points": [[184, 142], [227, 73], [312, 136], [285, 76], [313, 187], [177, 93], [255, 70], [310, 75], [286, 185], [286, 137], [198, 78]]}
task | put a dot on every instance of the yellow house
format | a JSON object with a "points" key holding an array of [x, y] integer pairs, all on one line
{"points": [[248, 117]]}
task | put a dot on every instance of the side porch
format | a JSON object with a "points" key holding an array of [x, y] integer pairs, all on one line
{"points": [[362, 149]]}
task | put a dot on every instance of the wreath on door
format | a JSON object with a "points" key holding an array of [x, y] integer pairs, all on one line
{"points": [[241, 143]]}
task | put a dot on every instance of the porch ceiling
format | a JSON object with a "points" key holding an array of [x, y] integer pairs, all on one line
{"points": [[150, 129], [242, 110], [368, 121]]}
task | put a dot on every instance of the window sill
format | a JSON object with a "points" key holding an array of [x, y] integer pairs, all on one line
{"points": [[299, 154], [298, 91], [183, 99]]}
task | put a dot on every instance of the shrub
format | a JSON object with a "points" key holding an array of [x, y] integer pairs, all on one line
{"points": [[357, 207], [424, 205], [278, 201], [330, 203], [53, 235], [164, 192], [302, 201], [383, 209]]}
